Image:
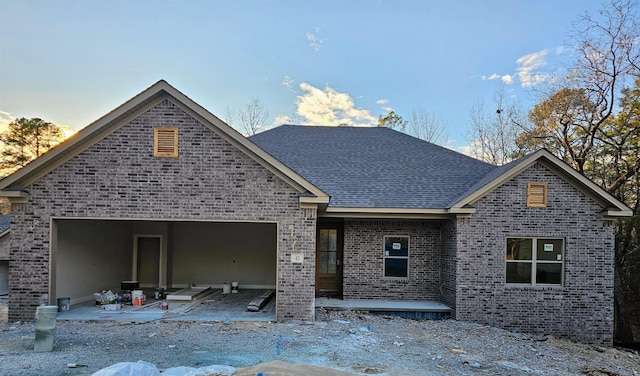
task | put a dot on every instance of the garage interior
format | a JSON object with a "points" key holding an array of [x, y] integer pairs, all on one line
{"points": [[89, 256]]}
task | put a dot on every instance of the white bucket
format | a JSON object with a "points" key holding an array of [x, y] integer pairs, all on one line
{"points": [[226, 288], [234, 287]]}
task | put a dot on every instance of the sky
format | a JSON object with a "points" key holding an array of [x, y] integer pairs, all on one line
{"points": [[307, 62]]}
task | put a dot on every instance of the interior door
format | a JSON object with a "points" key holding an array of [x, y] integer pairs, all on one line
{"points": [[329, 262], [148, 262]]}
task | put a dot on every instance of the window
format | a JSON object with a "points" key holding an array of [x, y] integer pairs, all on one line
{"points": [[534, 261], [165, 142], [396, 256], [537, 195]]}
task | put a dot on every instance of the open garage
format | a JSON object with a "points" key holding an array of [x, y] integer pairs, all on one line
{"points": [[93, 255]]}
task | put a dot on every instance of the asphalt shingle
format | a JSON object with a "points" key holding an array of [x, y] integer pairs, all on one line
{"points": [[374, 167]]}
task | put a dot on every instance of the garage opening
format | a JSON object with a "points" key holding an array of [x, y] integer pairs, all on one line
{"points": [[194, 263]]}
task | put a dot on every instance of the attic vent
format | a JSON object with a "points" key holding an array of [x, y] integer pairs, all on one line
{"points": [[537, 195], [165, 142]]}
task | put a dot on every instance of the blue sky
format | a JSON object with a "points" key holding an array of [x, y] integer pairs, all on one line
{"points": [[310, 62]]}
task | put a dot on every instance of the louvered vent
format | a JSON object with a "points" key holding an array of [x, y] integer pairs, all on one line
{"points": [[165, 143], [537, 195]]}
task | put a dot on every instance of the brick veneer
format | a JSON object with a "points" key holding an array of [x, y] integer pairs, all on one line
{"points": [[118, 177], [363, 260], [580, 310]]}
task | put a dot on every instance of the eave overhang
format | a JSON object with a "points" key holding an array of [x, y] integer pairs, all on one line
{"points": [[130, 110], [395, 213], [614, 207]]}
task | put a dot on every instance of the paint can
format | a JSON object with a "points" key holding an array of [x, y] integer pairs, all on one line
{"points": [[158, 293], [64, 304], [234, 287], [138, 298], [165, 306], [226, 288]]}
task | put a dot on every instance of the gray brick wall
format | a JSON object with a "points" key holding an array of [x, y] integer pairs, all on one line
{"points": [[119, 178], [363, 260], [582, 309], [448, 263]]}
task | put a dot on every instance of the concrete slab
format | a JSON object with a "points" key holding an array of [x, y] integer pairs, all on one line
{"points": [[382, 305], [213, 307]]}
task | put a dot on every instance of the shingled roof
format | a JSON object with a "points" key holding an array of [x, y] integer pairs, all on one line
{"points": [[374, 167]]}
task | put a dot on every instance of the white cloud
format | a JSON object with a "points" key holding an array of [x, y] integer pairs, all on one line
{"points": [[287, 82], [528, 71], [5, 119], [282, 119], [314, 41], [330, 107], [507, 78], [382, 101]]}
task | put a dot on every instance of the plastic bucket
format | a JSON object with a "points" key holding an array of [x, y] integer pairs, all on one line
{"points": [[64, 304], [226, 288], [137, 301], [46, 317]]}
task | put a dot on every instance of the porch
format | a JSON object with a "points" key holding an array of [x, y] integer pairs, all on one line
{"points": [[403, 308]]}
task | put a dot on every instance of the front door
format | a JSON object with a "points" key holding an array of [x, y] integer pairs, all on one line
{"points": [[329, 262]]}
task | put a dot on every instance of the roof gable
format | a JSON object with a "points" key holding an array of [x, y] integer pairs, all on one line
{"points": [[612, 206], [13, 185]]}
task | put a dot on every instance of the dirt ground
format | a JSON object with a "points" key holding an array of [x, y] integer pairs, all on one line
{"points": [[348, 341]]}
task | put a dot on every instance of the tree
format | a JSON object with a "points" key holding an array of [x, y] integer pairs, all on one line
{"points": [[392, 120], [494, 132], [428, 127], [576, 113], [27, 139], [591, 117], [568, 123], [254, 117]]}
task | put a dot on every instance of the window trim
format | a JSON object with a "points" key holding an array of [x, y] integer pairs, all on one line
{"points": [[157, 152], [534, 201], [534, 261], [385, 257]]}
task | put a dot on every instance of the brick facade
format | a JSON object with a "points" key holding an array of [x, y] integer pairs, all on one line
{"points": [[118, 177], [363, 260], [582, 309]]}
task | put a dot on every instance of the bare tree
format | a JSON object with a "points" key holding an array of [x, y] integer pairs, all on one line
{"points": [[494, 132], [427, 126], [254, 117], [573, 120]]}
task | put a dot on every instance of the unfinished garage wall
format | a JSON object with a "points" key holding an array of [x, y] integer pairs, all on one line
{"points": [[91, 256], [119, 177], [214, 253]]}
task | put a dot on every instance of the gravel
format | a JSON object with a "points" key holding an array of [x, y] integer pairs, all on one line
{"points": [[349, 341]]}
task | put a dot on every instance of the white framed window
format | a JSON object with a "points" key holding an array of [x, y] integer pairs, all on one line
{"points": [[535, 261], [396, 256]]}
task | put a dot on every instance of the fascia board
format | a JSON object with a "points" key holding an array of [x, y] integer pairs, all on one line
{"points": [[397, 213], [244, 144], [550, 161], [133, 108], [82, 140], [498, 181]]}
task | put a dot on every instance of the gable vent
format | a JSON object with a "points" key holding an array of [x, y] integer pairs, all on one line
{"points": [[165, 142], [537, 195]]}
